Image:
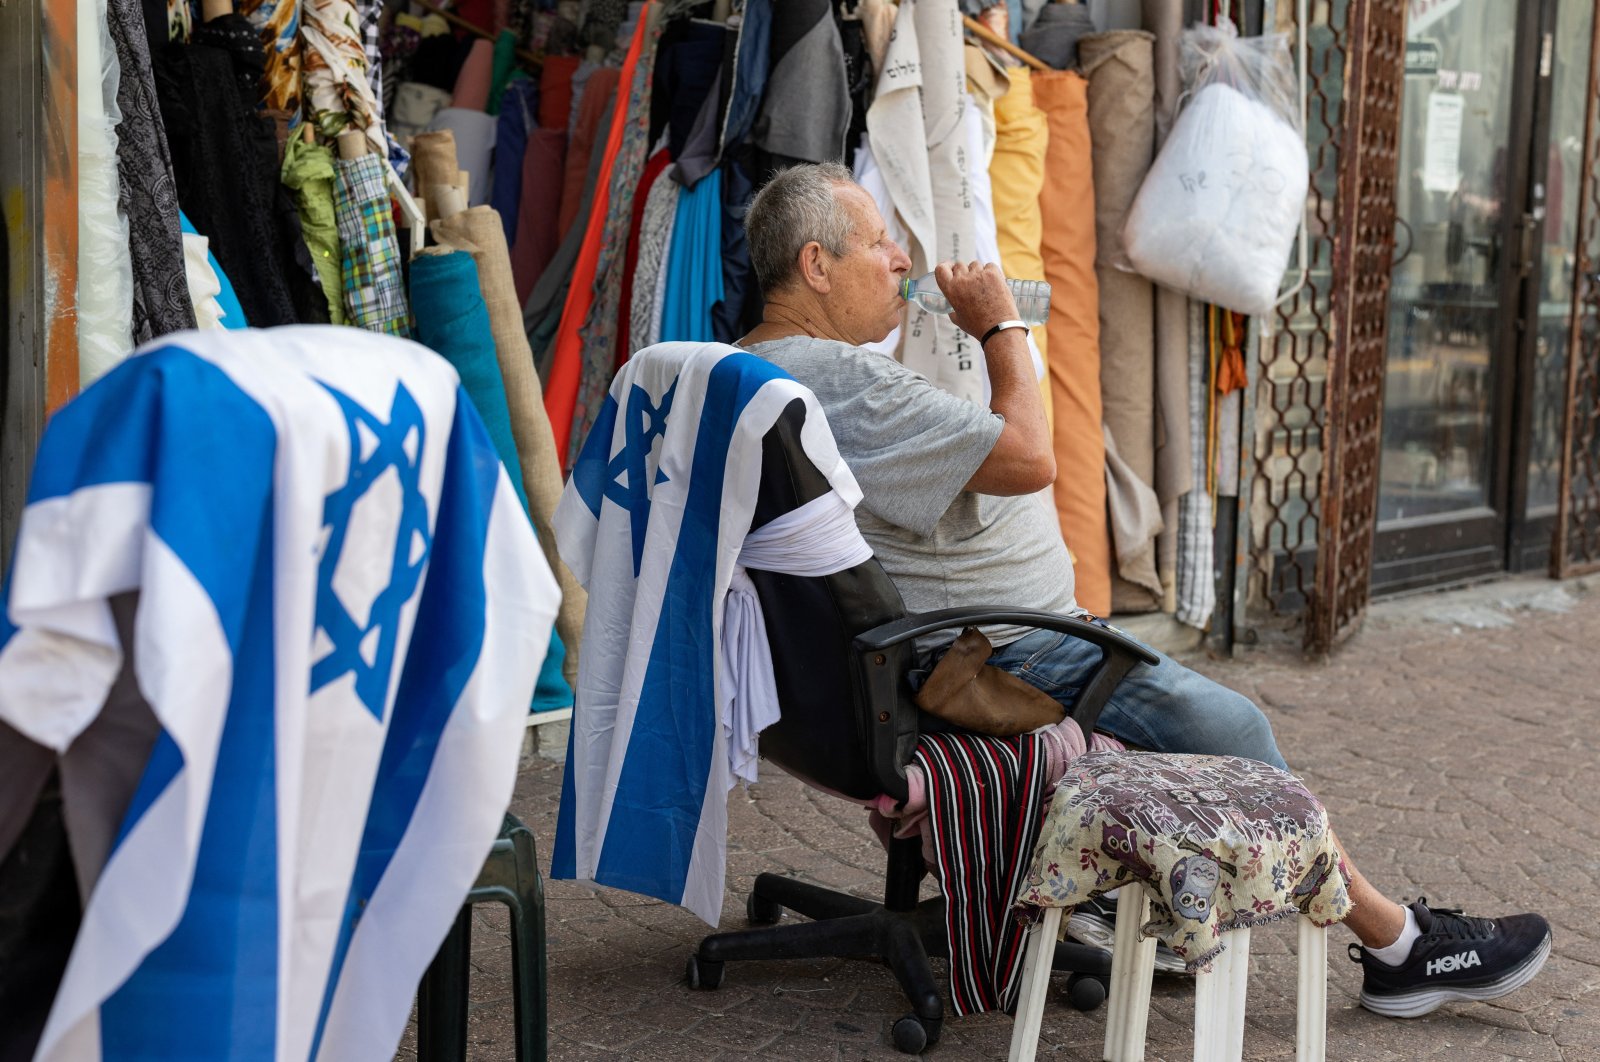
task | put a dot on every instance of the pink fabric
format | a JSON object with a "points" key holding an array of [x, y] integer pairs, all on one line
{"points": [[472, 84]]}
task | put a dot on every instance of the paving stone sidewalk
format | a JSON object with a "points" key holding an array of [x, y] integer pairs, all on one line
{"points": [[1454, 741]]}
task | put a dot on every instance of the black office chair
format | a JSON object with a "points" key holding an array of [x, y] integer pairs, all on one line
{"points": [[841, 648]]}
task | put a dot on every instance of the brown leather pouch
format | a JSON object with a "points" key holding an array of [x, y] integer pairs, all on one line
{"points": [[963, 689]]}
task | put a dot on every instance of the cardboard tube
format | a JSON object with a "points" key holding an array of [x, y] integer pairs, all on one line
{"points": [[352, 144]]}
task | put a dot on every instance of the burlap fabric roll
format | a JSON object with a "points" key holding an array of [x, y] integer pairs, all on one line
{"points": [[480, 232], [1120, 69], [1173, 474]]}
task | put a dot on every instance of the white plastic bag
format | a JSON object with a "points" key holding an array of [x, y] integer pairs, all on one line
{"points": [[1217, 214]]}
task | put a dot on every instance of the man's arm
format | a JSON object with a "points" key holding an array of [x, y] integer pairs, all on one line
{"points": [[1023, 459]]}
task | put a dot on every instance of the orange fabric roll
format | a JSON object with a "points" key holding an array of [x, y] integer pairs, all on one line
{"points": [[1068, 248]]}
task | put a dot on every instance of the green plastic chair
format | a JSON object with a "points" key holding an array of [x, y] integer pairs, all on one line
{"points": [[510, 876]]}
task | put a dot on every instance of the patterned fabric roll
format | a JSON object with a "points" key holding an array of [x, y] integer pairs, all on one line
{"points": [[374, 294]]}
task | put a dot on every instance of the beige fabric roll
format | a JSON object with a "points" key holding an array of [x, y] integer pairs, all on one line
{"points": [[1174, 476], [1119, 67], [479, 232], [1135, 522], [433, 161]]}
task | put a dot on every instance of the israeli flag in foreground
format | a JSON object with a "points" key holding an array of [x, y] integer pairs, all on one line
{"points": [[652, 523], [342, 611]]}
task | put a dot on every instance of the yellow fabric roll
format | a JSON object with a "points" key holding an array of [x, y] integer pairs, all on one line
{"points": [[1016, 175], [1067, 248]]}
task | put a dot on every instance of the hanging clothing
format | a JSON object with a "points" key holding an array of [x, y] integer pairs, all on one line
{"points": [[1197, 584], [472, 82], [1067, 250], [585, 132], [338, 84], [233, 317], [687, 70], [225, 159], [751, 64], [654, 166], [538, 227], [105, 308], [308, 173], [204, 287], [694, 270], [518, 116], [374, 292], [598, 332], [806, 108], [566, 359], [1119, 67], [277, 25], [1053, 36], [146, 190], [478, 231], [656, 223]]}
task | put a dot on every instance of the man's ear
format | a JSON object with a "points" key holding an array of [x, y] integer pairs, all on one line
{"points": [[814, 268]]}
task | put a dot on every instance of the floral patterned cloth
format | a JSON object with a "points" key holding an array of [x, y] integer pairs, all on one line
{"points": [[1218, 842]]}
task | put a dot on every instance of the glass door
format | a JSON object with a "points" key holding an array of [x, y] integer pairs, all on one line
{"points": [[1454, 330]]}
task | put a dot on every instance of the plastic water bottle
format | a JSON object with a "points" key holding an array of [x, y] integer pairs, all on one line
{"points": [[1032, 297]]}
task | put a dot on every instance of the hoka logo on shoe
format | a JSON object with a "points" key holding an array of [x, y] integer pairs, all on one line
{"points": [[1452, 963]]}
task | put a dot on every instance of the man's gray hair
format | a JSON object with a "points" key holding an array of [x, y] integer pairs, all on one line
{"points": [[794, 208]]}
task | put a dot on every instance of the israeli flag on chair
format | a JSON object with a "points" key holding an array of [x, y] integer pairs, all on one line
{"points": [[341, 614], [652, 523]]}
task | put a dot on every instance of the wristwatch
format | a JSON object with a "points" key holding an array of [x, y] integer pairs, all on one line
{"points": [[997, 329]]}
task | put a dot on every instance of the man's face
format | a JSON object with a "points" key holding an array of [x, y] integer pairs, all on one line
{"points": [[863, 296]]}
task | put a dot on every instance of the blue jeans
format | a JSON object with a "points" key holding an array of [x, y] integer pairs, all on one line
{"points": [[1165, 708]]}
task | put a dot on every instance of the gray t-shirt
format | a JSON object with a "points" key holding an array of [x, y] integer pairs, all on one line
{"points": [[913, 447]]}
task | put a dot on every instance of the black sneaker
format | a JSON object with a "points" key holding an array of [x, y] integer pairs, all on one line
{"points": [[1456, 957], [1094, 922]]}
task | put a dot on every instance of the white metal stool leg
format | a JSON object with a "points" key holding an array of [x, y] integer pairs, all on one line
{"points": [[1133, 965], [1219, 998], [1035, 986], [1311, 1010]]}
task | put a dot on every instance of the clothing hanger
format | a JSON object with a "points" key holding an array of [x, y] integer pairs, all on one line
{"points": [[989, 36]]}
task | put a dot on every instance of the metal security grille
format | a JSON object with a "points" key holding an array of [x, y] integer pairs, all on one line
{"points": [[1285, 421], [1363, 252], [1577, 545]]}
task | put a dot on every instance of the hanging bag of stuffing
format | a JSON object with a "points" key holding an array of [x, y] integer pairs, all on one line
{"points": [[1217, 214]]}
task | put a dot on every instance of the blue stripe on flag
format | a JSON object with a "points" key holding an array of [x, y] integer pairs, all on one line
{"points": [[176, 421], [450, 618], [662, 784]]}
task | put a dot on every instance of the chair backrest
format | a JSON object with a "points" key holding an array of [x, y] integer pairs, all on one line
{"points": [[829, 725]]}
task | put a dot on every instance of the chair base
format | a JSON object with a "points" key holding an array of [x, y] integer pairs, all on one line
{"points": [[904, 937]]}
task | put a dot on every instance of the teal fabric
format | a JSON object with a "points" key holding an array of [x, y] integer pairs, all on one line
{"points": [[452, 320]]}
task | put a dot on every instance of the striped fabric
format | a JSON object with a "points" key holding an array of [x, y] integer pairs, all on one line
{"points": [[374, 292], [986, 801]]}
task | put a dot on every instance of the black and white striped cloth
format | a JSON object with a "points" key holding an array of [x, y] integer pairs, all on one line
{"points": [[986, 801]]}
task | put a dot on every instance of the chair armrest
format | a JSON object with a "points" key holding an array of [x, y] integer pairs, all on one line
{"points": [[886, 647], [914, 626]]}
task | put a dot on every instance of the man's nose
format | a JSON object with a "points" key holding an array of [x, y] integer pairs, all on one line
{"points": [[899, 261]]}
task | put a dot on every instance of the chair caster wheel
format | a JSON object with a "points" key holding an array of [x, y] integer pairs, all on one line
{"points": [[1085, 991], [703, 973], [910, 1035], [762, 911]]}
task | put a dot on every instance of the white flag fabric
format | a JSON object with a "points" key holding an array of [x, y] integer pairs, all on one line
{"points": [[341, 615], [652, 523]]}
